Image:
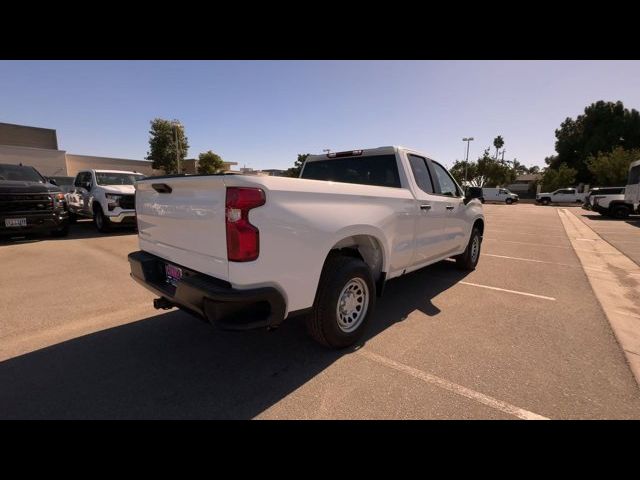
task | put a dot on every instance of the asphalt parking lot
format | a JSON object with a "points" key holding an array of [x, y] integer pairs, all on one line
{"points": [[523, 336]]}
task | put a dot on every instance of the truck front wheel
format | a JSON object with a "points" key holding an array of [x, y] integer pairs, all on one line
{"points": [[344, 303], [102, 222], [469, 258]]}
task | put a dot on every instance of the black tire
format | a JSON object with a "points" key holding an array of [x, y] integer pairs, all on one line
{"points": [[60, 232], [102, 223], [545, 201], [620, 212], [324, 322], [468, 260], [73, 218], [508, 201]]}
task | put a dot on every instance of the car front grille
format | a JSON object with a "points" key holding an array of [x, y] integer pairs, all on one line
{"points": [[17, 203], [128, 202]]}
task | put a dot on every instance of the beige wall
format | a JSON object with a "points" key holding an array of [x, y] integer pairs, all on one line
{"points": [[47, 162], [59, 163], [75, 163], [24, 136]]}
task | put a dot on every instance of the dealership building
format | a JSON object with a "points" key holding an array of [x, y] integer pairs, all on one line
{"points": [[38, 147]]}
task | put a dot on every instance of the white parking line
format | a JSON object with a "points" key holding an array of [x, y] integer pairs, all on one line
{"points": [[452, 387], [541, 261], [525, 243], [511, 232], [509, 291]]}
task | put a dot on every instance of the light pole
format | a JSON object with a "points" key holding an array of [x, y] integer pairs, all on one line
{"points": [[466, 162], [177, 124]]}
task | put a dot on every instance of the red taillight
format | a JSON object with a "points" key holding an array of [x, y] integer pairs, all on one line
{"points": [[243, 239]]}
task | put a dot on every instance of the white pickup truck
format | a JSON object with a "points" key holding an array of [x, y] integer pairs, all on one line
{"points": [[107, 196], [248, 251], [562, 195]]}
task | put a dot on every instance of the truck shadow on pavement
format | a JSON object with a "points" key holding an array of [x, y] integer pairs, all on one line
{"points": [[633, 221], [173, 366], [81, 229]]}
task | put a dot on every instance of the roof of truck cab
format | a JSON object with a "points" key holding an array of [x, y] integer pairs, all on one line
{"points": [[387, 150], [115, 171]]}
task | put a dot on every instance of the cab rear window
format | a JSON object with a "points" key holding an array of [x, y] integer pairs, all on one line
{"points": [[380, 170]]}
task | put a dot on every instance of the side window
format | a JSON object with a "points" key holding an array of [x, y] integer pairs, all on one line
{"points": [[634, 175], [447, 185], [421, 173], [78, 180]]}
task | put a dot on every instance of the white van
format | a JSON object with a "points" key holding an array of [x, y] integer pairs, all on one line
{"points": [[501, 195]]}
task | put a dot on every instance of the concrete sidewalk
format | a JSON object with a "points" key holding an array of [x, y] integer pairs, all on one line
{"points": [[615, 279]]}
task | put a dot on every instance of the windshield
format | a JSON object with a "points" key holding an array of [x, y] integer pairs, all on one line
{"points": [[110, 178], [20, 173]]}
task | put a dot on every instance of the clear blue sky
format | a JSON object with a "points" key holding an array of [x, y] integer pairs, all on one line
{"points": [[261, 114]]}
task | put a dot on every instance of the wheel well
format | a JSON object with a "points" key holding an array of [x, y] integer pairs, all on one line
{"points": [[364, 247], [479, 224], [95, 206]]}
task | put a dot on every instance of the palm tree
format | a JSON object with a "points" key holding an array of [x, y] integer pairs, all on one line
{"points": [[498, 142]]}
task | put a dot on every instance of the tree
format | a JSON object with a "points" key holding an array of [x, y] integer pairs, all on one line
{"points": [[533, 170], [162, 145], [209, 162], [603, 127], [555, 178], [611, 169], [297, 166], [458, 172], [496, 173], [498, 142]]}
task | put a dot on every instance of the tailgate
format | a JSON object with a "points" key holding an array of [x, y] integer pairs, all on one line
{"points": [[184, 223]]}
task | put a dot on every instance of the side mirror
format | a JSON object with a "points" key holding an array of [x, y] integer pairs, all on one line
{"points": [[86, 185], [52, 181], [471, 193]]}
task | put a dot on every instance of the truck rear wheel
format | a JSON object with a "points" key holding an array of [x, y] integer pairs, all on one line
{"points": [[344, 302], [620, 211]]}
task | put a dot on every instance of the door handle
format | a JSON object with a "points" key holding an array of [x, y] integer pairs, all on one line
{"points": [[425, 207], [450, 207]]}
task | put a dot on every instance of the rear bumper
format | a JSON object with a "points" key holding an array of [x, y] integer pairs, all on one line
{"points": [[208, 297], [39, 223]]}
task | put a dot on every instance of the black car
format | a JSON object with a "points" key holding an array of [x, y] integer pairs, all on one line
{"points": [[30, 204]]}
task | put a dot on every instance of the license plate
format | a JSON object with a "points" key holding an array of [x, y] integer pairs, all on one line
{"points": [[15, 222], [173, 274]]}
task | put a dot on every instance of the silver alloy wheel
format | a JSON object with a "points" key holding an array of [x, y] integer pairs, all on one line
{"points": [[352, 305], [475, 248]]}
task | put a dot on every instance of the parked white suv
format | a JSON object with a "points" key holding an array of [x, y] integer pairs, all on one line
{"points": [[632, 190], [249, 251], [562, 195], [107, 196]]}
